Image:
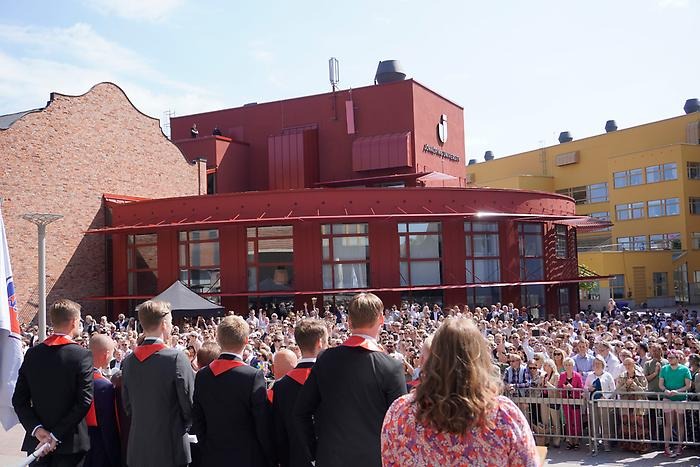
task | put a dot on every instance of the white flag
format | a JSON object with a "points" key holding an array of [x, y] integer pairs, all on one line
{"points": [[10, 339]]}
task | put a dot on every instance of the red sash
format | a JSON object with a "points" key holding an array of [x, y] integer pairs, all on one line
{"points": [[55, 340], [299, 374], [91, 417], [359, 341], [270, 395], [414, 383], [220, 365], [142, 352]]}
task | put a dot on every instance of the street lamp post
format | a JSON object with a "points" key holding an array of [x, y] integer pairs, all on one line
{"points": [[41, 221]]}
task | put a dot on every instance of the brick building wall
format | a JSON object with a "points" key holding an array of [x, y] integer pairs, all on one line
{"points": [[61, 160]]}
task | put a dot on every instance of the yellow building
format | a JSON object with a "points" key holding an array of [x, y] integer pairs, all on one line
{"points": [[646, 181]]}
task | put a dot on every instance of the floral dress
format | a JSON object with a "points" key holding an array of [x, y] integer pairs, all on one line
{"points": [[405, 442]]}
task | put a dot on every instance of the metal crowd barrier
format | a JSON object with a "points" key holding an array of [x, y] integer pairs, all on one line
{"points": [[635, 421]]}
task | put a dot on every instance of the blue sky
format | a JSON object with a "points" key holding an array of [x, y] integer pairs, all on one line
{"points": [[523, 71]]}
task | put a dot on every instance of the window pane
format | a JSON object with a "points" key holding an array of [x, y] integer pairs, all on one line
{"points": [[204, 254], [469, 266], [250, 232], [350, 276], [425, 273], [275, 278], [424, 246], [349, 229], [252, 279], [403, 271], [655, 208], [325, 246], [275, 231], [251, 252], [145, 257], [275, 250], [403, 250], [636, 177], [653, 174], [485, 226], [349, 248], [532, 245], [485, 245], [620, 179], [327, 276], [487, 270], [530, 228], [423, 227], [670, 171], [182, 255], [532, 269], [142, 239], [673, 206], [325, 229]]}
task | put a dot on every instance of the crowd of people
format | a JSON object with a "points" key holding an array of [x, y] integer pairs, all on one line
{"points": [[616, 353]]}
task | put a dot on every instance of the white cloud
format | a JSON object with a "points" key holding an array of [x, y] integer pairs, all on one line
{"points": [[259, 52], [673, 3], [72, 60], [148, 10]]}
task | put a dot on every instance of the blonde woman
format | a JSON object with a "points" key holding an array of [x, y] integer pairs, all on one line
{"points": [[632, 420], [551, 412], [457, 415]]}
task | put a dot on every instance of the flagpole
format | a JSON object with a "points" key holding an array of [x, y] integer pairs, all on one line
{"points": [[41, 221]]}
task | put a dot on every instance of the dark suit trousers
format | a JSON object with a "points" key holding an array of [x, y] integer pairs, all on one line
{"points": [[60, 460]]}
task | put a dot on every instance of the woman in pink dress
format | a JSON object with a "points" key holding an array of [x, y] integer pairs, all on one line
{"points": [[573, 383], [457, 415]]}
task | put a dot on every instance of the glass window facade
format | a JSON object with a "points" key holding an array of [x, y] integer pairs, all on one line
{"points": [[660, 280], [420, 250], [562, 241], [662, 172], [617, 286], [531, 252], [665, 241], [638, 243], [142, 264], [270, 258], [587, 194], [630, 177], [629, 211], [199, 260], [693, 170], [483, 262], [694, 205], [664, 207], [345, 250]]}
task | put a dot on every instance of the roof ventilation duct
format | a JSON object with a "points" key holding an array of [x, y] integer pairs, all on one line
{"points": [[610, 126], [565, 137], [389, 71]]}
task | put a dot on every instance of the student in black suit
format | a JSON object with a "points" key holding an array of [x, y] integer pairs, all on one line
{"points": [[231, 414], [340, 409], [54, 391], [157, 386], [103, 428], [311, 335]]}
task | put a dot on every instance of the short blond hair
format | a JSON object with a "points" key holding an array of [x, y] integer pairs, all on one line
{"points": [[63, 311], [152, 313], [365, 310], [232, 332]]}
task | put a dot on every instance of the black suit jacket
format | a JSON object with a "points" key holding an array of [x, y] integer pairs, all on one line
{"points": [[105, 446], [54, 389], [231, 417], [340, 409], [291, 449]]}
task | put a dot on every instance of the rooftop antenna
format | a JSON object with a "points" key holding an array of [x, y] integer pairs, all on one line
{"points": [[333, 73]]}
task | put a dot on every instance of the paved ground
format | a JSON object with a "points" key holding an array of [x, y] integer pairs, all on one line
{"points": [[583, 457], [11, 441]]}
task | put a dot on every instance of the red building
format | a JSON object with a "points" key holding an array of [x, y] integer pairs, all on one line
{"points": [[329, 194]]}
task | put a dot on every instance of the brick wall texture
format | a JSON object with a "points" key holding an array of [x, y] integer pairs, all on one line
{"points": [[61, 160]]}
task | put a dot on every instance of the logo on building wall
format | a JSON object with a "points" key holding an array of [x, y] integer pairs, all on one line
{"points": [[442, 129]]}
